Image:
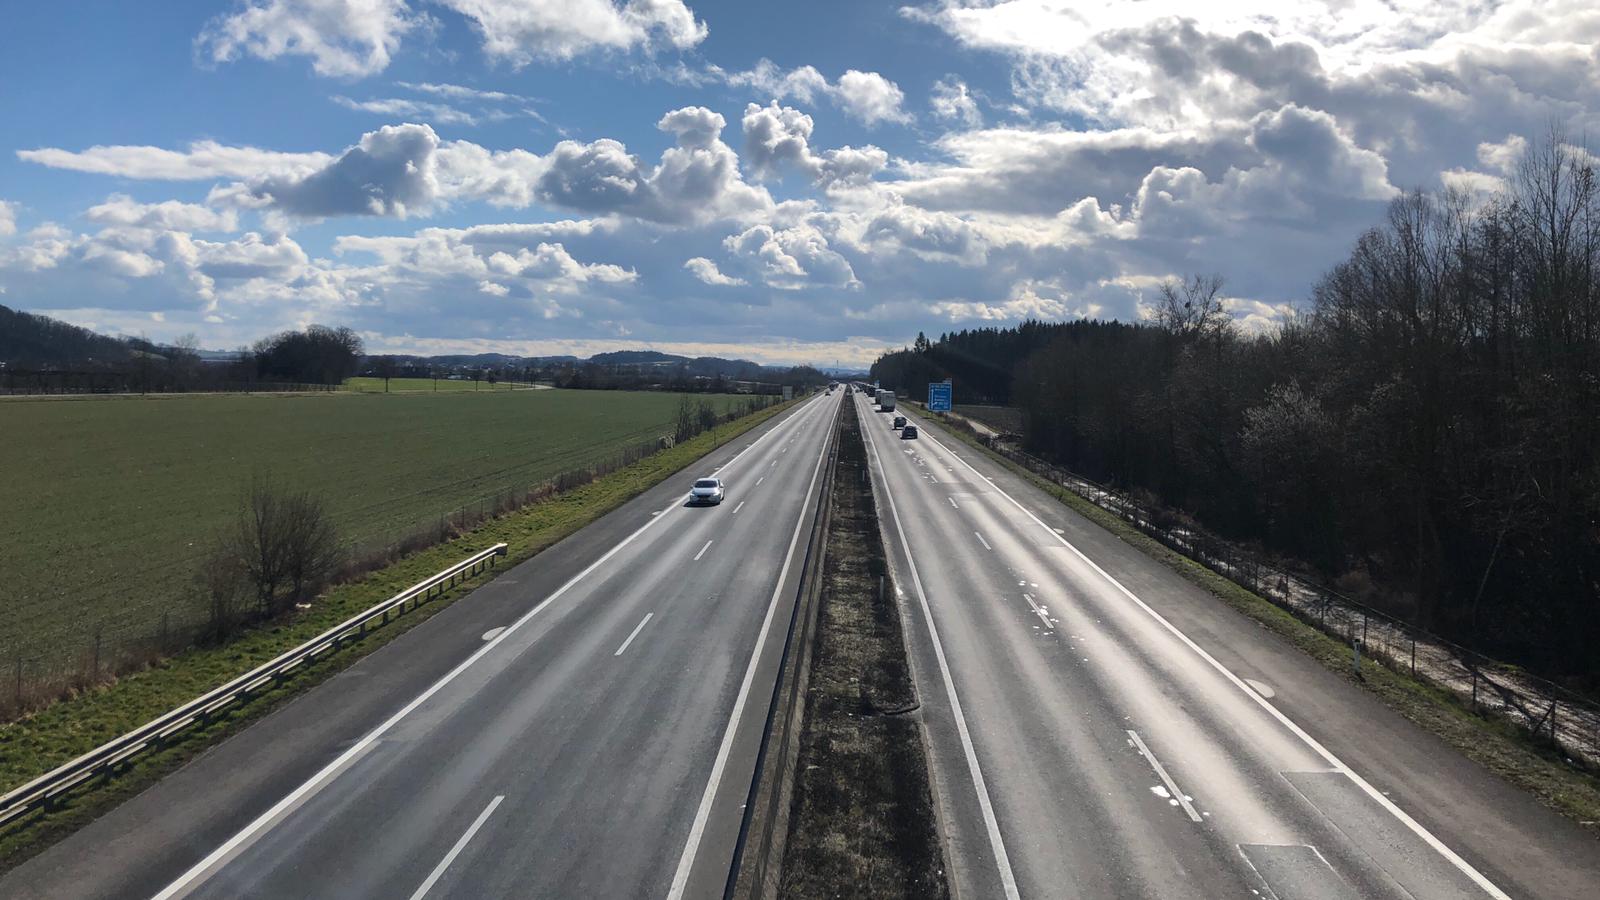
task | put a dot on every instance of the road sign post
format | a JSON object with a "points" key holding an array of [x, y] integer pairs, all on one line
{"points": [[939, 399]]}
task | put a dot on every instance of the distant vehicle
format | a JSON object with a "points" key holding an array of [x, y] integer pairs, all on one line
{"points": [[899, 422], [886, 401], [908, 433], [869, 390], [707, 490]]}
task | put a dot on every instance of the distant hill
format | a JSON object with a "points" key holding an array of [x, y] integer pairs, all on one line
{"points": [[33, 341]]}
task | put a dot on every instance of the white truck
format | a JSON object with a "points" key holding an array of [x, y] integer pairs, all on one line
{"points": [[885, 401]]}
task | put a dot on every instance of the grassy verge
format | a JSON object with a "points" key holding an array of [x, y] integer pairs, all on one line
{"points": [[1497, 745], [862, 819], [67, 729]]}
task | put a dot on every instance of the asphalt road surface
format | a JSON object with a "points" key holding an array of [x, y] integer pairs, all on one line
{"points": [[585, 725], [1101, 728]]}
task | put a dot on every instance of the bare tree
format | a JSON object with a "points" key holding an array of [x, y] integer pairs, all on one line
{"points": [[284, 547], [1193, 307]]}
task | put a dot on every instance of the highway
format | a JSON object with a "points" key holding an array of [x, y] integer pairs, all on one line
{"points": [[1100, 727], [585, 725]]}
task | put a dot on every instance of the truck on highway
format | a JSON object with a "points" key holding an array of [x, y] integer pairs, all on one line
{"points": [[885, 401]]}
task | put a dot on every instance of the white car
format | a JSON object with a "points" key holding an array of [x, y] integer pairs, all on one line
{"points": [[707, 490]]}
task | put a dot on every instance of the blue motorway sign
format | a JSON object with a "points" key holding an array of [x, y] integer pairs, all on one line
{"points": [[939, 396]]}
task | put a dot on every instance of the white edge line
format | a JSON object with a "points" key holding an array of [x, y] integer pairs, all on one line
{"points": [[1427, 836], [1008, 879], [704, 549], [1177, 792], [634, 633], [202, 869], [680, 879], [450, 857]]}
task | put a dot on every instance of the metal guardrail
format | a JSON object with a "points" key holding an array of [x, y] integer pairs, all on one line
{"points": [[45, 789]]}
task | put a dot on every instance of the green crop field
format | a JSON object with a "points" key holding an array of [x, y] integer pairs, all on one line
{"points": [[440, 385], [107, 505]]}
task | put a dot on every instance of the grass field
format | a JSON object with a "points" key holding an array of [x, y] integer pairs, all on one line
{"points": [[107, 506], [440, 385]]}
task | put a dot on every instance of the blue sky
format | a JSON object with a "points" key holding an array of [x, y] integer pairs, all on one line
{"points": [[789, 182]]}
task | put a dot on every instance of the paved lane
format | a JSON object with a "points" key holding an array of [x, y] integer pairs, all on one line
{"points": [[571, 753], [1102, 751]]}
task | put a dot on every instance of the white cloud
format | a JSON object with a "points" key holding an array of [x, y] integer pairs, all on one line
{"points": [[778, 138], [870, 97], [8, 218], [404, 108], [791, 258], [344, 38], [867, 97], [952, 100], [390, 172], [203, 161], [521, 32], [168, 215], [707, 271]]}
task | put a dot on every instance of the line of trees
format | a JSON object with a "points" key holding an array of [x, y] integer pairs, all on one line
{"points": [[1426, 434]]}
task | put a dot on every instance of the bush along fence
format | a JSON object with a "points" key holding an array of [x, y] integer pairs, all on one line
{"points": [[37, 676], [1545, 710]]}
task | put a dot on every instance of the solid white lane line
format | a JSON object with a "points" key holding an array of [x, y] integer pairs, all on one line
{"points": [[201, 870], [1172, 786], [1008, 879], [633, 634], [737, 508], [680, 879], [953, 503], [703, 550], [982, 541], [1376, 795], [456, 850]]}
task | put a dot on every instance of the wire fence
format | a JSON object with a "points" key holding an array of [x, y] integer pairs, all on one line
{"points": [[1545, 710], [35, 675]]}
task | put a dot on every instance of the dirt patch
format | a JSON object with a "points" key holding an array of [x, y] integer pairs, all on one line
{"points": [[862, 820]]}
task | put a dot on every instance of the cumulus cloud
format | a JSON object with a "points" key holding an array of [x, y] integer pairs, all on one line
{"points": [[343, 38], [390, 172], [791, 258], [354, 38], [867, 97], [8, 218], [707, 271], [521, 32], [777, 138], [695, 181]]}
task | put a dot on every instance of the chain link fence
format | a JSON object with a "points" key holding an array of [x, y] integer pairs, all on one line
{"points": [[1543, 709]]}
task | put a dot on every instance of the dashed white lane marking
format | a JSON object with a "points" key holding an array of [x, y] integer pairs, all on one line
{"points": [[997, 844], [737, 508], [1166, 779], [1366, 787], [982, 541], [953, 503], [759, 480], [456, 850], [703, 550], [634, 633]]}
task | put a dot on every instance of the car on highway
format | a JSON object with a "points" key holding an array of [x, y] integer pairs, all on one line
{"points": [[899, 422], [707, 490], [908, 433]]}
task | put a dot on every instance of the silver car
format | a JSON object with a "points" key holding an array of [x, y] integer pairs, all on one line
{"points": [[707, 490]]}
